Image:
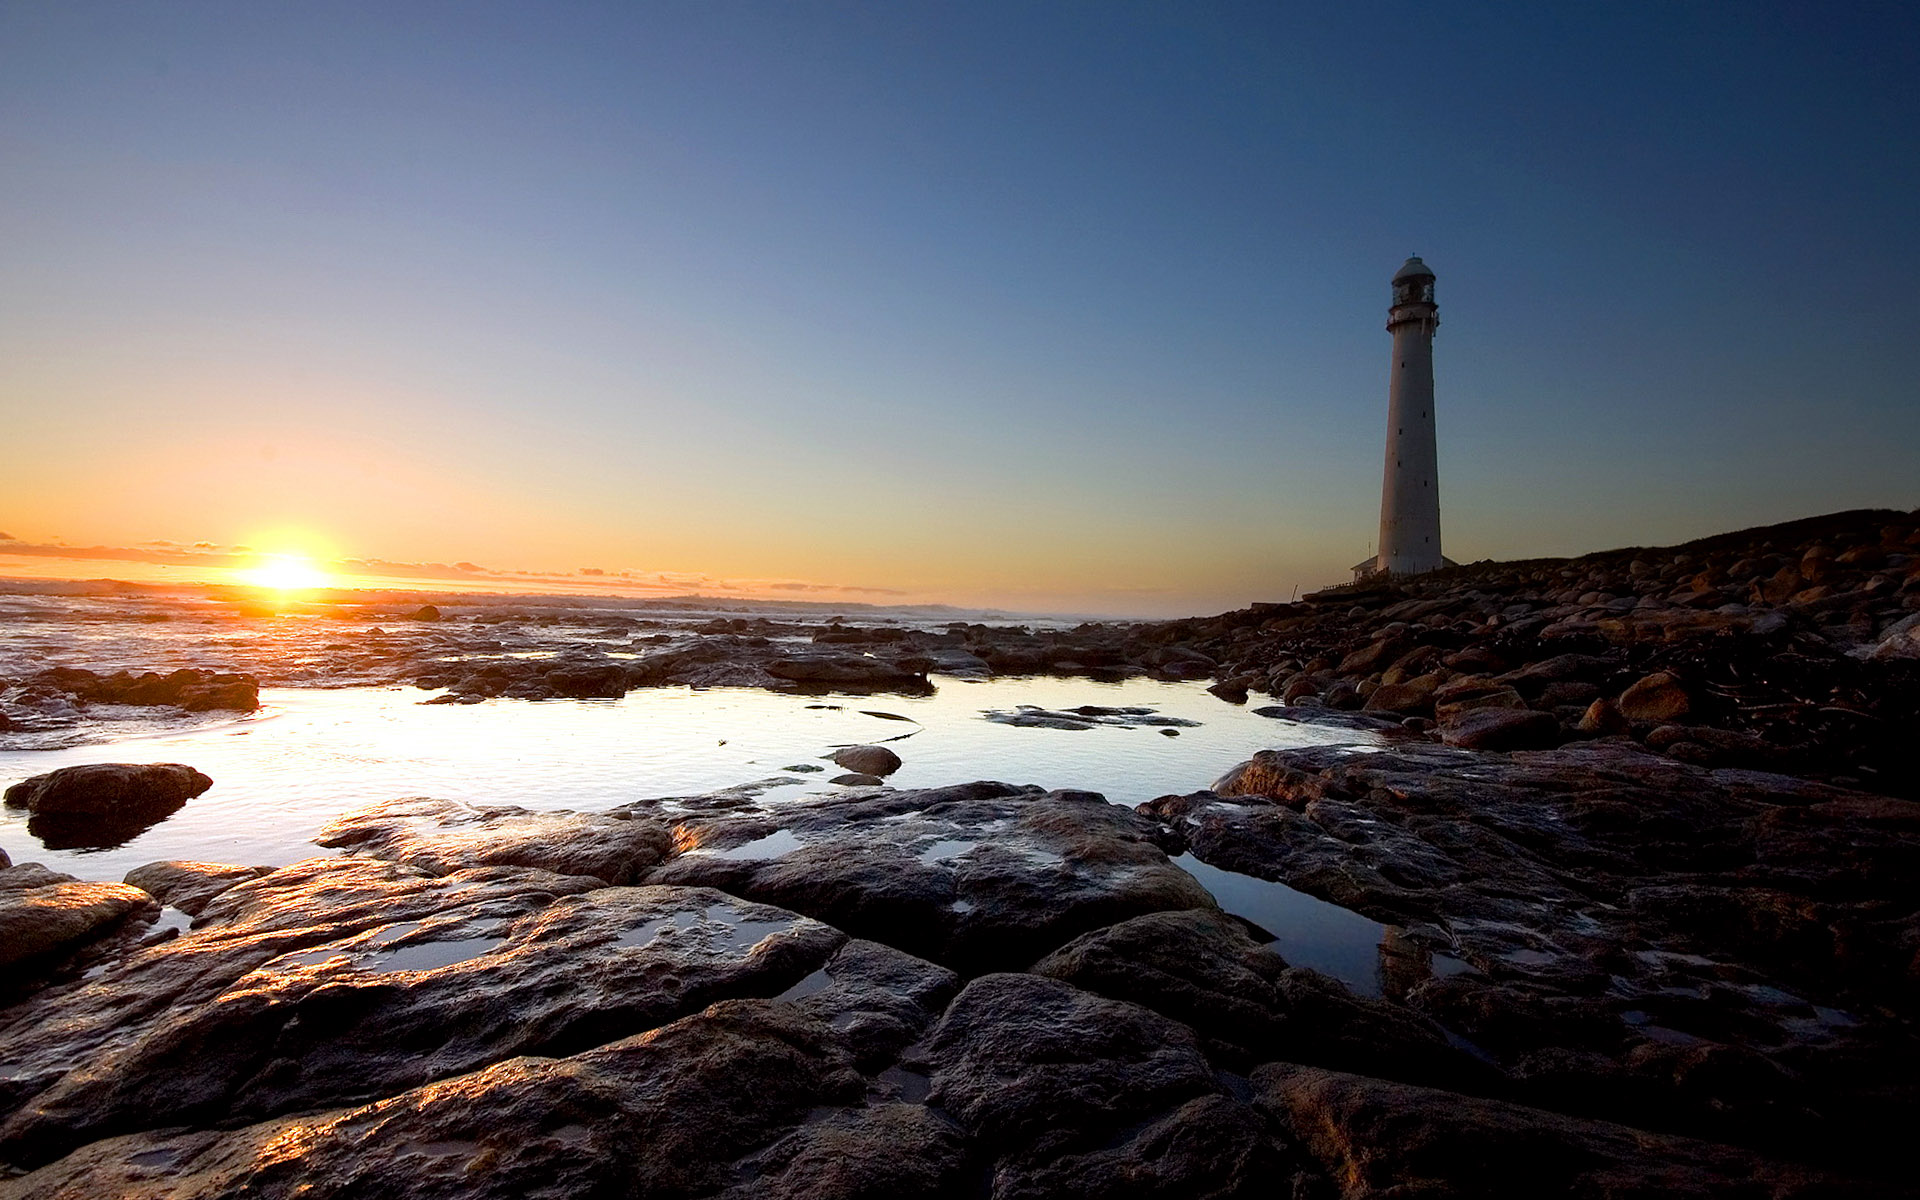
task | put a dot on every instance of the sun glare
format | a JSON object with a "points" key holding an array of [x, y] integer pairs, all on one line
{"points": [[287, 573]]}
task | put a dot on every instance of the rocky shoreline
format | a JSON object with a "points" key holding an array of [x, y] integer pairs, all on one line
{"points": [[1637, 878]]}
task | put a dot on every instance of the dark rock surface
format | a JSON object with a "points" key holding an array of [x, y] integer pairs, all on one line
{"points": [[1648, 926], [1720, 953], [189, 886], [44, 913], [979, 877], [108, 790], [442, 836]]}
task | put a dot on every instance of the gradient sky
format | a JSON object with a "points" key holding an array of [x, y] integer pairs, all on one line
{"points": [[1069, 306]]}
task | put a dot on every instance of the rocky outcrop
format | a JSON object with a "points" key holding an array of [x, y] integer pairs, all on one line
{"points": [[978, 877], [443, 836], [103, 804], [989, 989], [1708, 952], [44, 913], [108, 789], [189, 689]]}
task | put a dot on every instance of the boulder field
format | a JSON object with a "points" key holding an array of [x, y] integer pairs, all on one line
{"points": [[1595, 971]]}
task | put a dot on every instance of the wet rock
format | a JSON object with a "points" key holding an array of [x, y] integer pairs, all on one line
{"points": [[1032, 1066], [443, 836], [855, 779], [867, 760], [1387, 1139], [109, 789], [469, 982], [44, 913], [189, 886], [191, 690], [1204, 970], [1210, 1148], [1588, 905], [1500, 729], [1658, 697], [667, 1113], [978, 877], [847, 671], [871, 1153]]}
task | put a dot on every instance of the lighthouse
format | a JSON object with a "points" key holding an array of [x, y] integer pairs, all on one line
{"points": [[1410, 491]]}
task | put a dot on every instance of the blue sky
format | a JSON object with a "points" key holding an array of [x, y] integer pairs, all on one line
{"points": [[1051, 306]]}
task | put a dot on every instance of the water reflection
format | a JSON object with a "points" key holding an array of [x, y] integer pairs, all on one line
{"points": [[311, 754], [1305, 930]]}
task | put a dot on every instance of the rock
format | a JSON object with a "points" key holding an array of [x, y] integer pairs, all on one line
{"points": [[1500, 729], [189, 886], [1658, 697], [977, 877], [847, 671], [1603, 717], [1412, 697], [444, 836], [109, 789], [426, 612], [1586, 906], [867, 760], [480, 973], [1389, 1139], [856, 779], [1032, 1066], [1204, 970], [43, 913], [666, 1113], [1463, 695], [1900, 641]]}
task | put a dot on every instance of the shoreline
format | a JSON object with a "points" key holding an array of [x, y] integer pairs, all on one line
{"points": [[1639, 860]]}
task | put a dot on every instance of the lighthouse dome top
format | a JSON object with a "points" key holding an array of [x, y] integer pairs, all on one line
{"points": [[1413, 268]]}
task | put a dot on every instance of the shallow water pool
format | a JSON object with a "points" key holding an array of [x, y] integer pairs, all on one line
{"points": [[309, 754]]}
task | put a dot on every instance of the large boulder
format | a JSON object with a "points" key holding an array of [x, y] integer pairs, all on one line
{"points": [[109, 789]]}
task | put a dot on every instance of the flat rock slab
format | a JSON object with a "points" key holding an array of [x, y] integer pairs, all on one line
{"points": [[43, 913], [452, 989], [442, 836], [666, 1113], [1391, 1140], [190, 886], [1713, 952], [978, 877]]}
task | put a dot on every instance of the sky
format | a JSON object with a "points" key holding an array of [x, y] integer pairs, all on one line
{"points": [[1047, 306]]}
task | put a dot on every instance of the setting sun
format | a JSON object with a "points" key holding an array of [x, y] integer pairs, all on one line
{"points": [[287, 573]]}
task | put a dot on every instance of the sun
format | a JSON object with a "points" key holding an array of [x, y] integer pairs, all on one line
{"points": [[287, 573]]}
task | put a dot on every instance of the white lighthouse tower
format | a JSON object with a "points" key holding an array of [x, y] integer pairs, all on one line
{"points": [[1410, 492]]}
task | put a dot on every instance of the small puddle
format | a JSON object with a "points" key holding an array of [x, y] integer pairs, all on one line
{"points": [[775, 844], [720, 927], [945, 849], [808, 986], [165, 1156], [1446, 966], [429, 956], [1307, 931]]}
